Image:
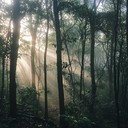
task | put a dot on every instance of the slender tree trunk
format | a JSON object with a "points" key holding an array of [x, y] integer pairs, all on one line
{"points": [[3, 75], [0, 71], [7, 79], [92, 57], [14, 55], [38, 73], [70, 71], [119, 68], [1, 82], [59, 61], [127, 26], [45, 62], [83, 39], [120, 53], [33, 33], [125, 92], [111, 72], [116, 89]]}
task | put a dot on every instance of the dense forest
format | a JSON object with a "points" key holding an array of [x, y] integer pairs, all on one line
{"points": [[63, 64]]}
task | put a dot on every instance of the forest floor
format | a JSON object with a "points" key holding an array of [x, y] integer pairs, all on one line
{"points": [[25, 121]]}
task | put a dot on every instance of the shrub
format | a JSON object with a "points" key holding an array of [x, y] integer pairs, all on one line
{"points": [[27, 99]]}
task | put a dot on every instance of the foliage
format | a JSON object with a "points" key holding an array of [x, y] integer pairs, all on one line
{"points": [[105, 22], [77, 122], [31, 7], [76, 118], [80, 11], [25, 121], [27, 99], [4, 47]]}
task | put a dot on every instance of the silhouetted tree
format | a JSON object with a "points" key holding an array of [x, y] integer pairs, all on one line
{"points": [[116, 86], [92, 55], [14, 55], [59, 60], [127, 25], [45, 59]]}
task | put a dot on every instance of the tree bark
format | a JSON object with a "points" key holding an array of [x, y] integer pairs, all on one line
{"points": [[14, 55], [70, 70], [127, 26], [83, 41], [7, 78], [116, 89], [33, 31], [33, 34], [110, 68], [92, 57], [45, 62], [59, 60], [3, 75]]}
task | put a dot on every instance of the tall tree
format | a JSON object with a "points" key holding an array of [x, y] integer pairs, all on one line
{"points": [[83, 41], [127, 25], [93, 83], [2, 56], [34, 22], [116, 87], [45, 60], [70, 68], [14, 55], [33, 31], [3, 75], [59, 60]]}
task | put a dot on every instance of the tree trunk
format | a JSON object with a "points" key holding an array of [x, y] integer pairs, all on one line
{"points": [[59, 61], [116, 90], [110, 68], [33, 34], [7, 78], [83, 39], [45, 62], [33, 31], [3, 75], [92, 57], [14, 55], [70, 71], [127, 26]]}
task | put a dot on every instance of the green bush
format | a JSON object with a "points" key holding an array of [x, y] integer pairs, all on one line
{"points": [[27, 99], [77, 122], [76, 117]]}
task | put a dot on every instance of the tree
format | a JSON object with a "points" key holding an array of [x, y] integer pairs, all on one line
{"points": [[33, 9], [92, 31], [33, 31], [14, 55], [116, 86], [83, 41], [45, 60], [2, 56], [59, 60], [127, 25]]}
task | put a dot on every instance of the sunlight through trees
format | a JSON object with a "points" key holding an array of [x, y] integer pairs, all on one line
{"points": [[63, 63]]}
